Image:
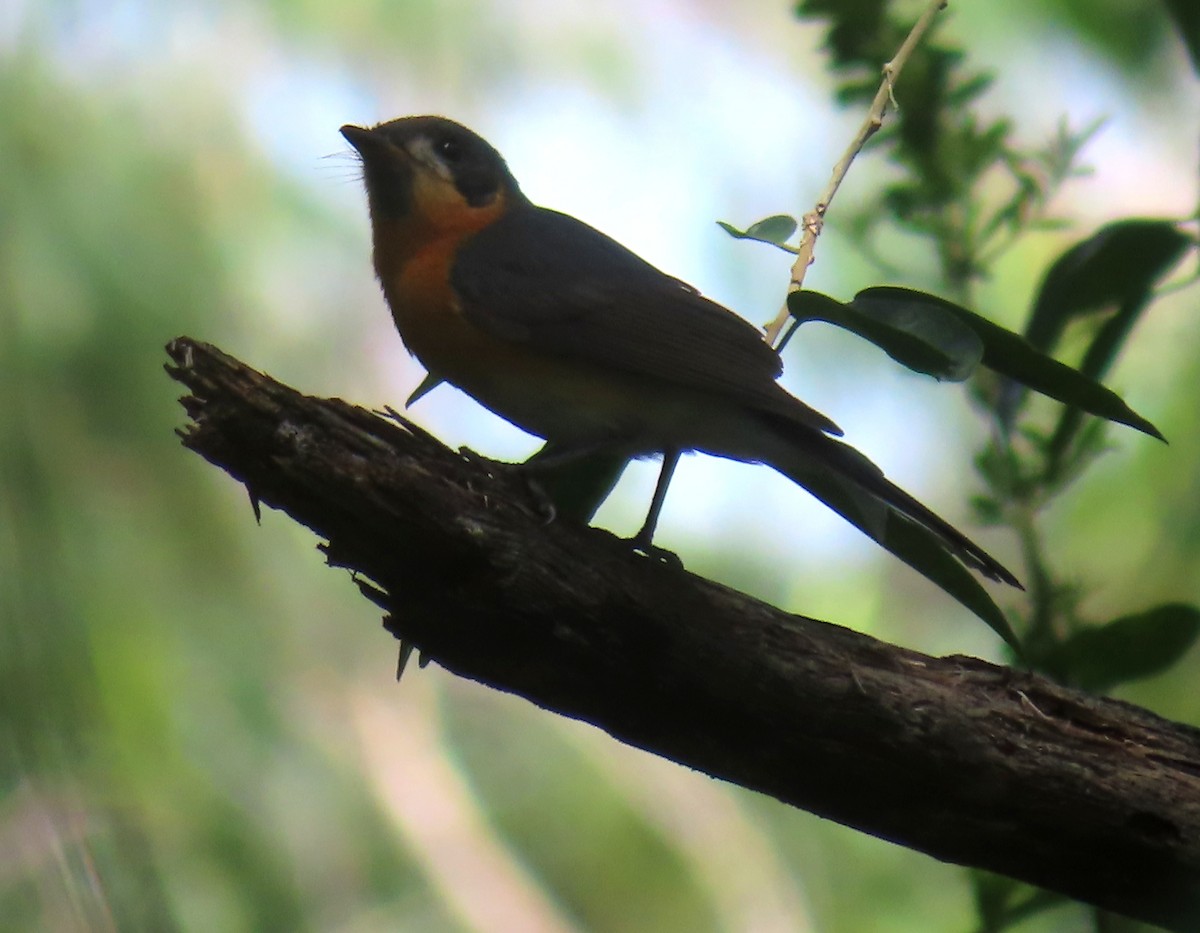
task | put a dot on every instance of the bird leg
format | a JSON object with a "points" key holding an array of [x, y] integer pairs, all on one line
{"points": [[553, 456], [571, 480], [644, 540]]}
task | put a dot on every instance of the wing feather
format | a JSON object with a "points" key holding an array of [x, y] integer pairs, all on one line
{"points": [[551, 282]]}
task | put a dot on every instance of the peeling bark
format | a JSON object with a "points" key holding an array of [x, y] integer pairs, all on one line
{"points": [[967, 761]]}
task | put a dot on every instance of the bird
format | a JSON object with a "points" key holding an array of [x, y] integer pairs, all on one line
{"points": [[572, 337]]}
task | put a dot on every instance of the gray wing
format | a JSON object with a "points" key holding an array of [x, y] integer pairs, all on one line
{"points": [[549, 281]]}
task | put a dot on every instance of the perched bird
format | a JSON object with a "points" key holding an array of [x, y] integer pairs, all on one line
{"points": [[570, 336]]}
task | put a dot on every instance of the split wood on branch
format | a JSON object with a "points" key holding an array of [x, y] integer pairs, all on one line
{"points": [[964, 760]]}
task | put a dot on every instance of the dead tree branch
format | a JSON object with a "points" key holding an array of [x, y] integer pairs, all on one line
{"points": [[966, 761]]}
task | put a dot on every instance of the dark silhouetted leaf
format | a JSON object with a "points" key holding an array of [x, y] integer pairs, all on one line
{"points": [[929, 324], [921, 336], [775, 230], [1122, 260], [1003, 902], [1130, 648], [1013, 356], [1120, 267], [1186, 14]]}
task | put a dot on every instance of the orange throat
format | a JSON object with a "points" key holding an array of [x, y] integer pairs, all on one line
{"points": [[414, 259]]}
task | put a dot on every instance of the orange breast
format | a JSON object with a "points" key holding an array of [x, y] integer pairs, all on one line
{"points": [[426, 309], [546, 395]]}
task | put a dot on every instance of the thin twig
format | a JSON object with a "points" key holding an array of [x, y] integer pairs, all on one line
{"points": [[815, 219]]}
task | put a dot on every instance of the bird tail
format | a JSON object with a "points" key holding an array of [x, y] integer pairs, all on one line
{"points": [[850, 484]]}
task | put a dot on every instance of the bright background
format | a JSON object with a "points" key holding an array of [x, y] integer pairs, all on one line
{"points": [[199, 728]]}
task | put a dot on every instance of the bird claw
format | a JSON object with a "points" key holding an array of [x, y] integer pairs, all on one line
{"points": [[541, 499], [480, 460], [543, 504], [656, 553]]}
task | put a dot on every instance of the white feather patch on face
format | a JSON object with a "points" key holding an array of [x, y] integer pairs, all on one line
{"points": [[437, 198], [421, 150], [435, 194]]}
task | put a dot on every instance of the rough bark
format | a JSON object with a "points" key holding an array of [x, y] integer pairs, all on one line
{"points": [[955, 757]]}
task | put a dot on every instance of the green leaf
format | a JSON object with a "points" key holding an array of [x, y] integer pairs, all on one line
{"points": [[919, 335], [1118, 266], [1013, 356], [1130, 648], [992, 894], [1067, 455], [918, 547], [1121, 261], [1002, 902], [1108, 343], [987, 510], [1186, 14], [930, 325], [965, 92], [776, 230]]}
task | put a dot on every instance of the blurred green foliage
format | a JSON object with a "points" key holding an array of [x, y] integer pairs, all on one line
{"points": [[197, 726], [947, 160]]}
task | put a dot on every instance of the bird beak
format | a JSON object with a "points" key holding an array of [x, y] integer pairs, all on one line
{"points": [[362, 139], [387, 171]]}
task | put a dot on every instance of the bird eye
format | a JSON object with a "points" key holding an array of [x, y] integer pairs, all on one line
{"points": [[451, 150]]}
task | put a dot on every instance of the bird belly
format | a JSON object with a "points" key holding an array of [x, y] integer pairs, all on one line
{"points": [[575, 403], [561, 399]]}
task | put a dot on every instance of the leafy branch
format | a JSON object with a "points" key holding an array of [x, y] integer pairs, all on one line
{"points": [[950, 161], [885, 95]]}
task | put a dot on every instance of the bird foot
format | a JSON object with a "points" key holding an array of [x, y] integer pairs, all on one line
{"points": [[654, 552], [543, 504], [541, 499], [495, 466]]}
